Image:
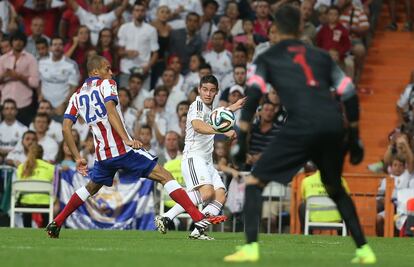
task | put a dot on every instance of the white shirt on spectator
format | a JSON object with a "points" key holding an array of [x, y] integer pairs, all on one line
{"points": [[57, 77], [50, 148], [95, 23], [10, 135], [138, 101], [220, 63], [400, 182], [82, 129], [130, 116], [143, 39], [191, 80], [54, 131], [5, 7], [161, 119], [227, 81], [17, 154], [188, 5], [404, 99]]}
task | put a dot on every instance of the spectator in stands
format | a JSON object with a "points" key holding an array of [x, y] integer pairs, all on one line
{"points": [[248, 37], [19, 77], [171, 148], [192, 78], [95, 19], [309, 30], [224, 25], [64, 157], [239, 79], [180, 10], [232, 11], [37, 27], [181, 110], [138, 45], [219, 58], [69, 23], [78, 49], [107, 48], [174, 63], [405, 105], [208, 25], [313, 186], [164, 33], [175, 92], [262, 47], [400, 146], [88, 151], [34, 168], [334, 37], [54, 129], [42, 49], [129, 113], [19, 153], [157, 118], [263, 21], [50, 146], [263, 130], [392, 7], [43, 9], [183, 125], [402, 177], [144, 134], [11, 130], [59, 76], [186, 42], [236, 93], [222, 160], [5, 45], [138, 94], [8, 17], [356, 21]]}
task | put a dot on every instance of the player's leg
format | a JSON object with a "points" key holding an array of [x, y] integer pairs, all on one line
{"points": [[329, 160], [76, 200], [198, 185], [278, 165]]}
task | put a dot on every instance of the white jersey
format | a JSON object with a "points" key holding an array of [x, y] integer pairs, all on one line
{"points": [[88, 102], [220, 63], [10, 135], [197, 144]]}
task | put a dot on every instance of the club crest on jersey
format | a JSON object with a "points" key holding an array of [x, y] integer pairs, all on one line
{"points": [[113, 89]]}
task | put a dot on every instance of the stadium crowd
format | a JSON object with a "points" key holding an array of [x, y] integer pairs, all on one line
{"points": [[158, 50]]}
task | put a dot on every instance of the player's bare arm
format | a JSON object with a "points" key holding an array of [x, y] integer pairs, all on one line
{"points": [[81, 164], [238, 105]]}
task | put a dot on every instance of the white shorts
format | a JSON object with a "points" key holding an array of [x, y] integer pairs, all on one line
{"points": [[196, 172]]}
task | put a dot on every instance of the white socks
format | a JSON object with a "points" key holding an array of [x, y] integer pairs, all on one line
{"points": [[83, 193], [213, 208]]}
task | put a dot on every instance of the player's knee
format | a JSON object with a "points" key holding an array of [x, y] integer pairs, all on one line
{"points": [[93, 188], [207, 193]]}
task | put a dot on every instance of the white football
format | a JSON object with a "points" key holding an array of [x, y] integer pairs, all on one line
{"points": [[222, 119]]}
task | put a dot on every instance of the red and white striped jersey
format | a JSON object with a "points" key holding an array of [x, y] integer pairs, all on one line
{"points": [[89, 103]]}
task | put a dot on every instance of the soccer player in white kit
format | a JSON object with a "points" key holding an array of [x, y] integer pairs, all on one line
{"points": [[203, 183]]}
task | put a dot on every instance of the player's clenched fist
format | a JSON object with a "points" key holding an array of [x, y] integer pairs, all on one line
{"points": [[133, 143]]}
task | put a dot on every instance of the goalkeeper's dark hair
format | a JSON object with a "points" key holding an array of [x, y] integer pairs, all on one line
{"points": [[209, 79], [287, 20]]}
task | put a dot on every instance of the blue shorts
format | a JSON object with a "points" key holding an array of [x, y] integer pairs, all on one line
{"points": [[135, 164]]}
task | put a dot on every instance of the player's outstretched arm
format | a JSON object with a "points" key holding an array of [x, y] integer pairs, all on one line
{"points": [[81, 164], [238, 105], [203, 128], [116, 123]]}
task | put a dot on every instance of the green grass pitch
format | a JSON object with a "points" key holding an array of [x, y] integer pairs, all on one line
{"points": [[32, 247]]}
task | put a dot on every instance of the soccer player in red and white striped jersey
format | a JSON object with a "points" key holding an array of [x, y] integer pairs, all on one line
{"points": [[96, 101]]}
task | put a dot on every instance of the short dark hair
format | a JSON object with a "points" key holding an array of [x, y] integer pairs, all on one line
{"points": [[123, 89], [42, 115], [42, 40], [56, 38], [220, 32], [287, 19], [136, 75], [9, 100], [146, 126], [192, 14], [139, 3], [29, 132], [18, 35], [209, 79], [161, 88], [239, 66], [94, 63], [205, 66], [184, 102], [45, 101], [240, 48], [210, 2]]}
